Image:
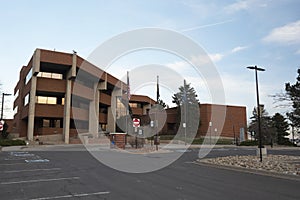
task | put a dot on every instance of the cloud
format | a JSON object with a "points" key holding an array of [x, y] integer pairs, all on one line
{"points": [[216, 57], [238, 48], [297, 52], [287, 34], [244, 5]]}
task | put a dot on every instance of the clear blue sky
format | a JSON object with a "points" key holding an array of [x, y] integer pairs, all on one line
{"points": [[234, 33]]}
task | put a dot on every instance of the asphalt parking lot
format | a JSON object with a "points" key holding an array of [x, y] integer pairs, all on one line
{"points": [[72, 173], [28, 175]]}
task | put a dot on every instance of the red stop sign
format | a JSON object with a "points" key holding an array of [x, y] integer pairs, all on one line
{"points": [[136, 122], [1, 126]]}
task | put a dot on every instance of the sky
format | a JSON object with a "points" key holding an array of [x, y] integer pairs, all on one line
{"points": [[234, 34]]}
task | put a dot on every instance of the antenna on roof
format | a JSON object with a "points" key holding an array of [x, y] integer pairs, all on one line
{"points": [[74, 52]]}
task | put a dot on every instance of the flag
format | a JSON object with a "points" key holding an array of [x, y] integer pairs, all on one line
{"points": [[157, 89]]}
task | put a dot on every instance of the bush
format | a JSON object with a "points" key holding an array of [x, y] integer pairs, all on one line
{"points": [[133, 141], [198, 141], [7, 142], [166, 137], [225, 141], [249, 143]]}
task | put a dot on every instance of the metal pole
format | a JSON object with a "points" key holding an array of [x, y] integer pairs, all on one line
{"points": [[258, 109], [258, 116], [185, 99], [2, 106]]}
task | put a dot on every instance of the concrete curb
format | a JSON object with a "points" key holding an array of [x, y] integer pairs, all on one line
{"points": [[251, 171]]}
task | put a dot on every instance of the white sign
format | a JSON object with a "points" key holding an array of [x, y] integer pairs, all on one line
{"points": [[136, 122], [1, 125]]}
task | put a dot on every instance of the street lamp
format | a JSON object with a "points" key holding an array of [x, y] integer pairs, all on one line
{"points": [[3, 94], [258, 108]]}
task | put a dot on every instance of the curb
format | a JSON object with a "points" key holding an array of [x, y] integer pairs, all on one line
{"points": [[250, 171]]}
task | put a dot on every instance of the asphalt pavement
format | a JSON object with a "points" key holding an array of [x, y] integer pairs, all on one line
{"points": [[70, 172]]}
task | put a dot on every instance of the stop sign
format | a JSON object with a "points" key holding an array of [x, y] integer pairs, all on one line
{"points": [[136, 122], [1, 126]]}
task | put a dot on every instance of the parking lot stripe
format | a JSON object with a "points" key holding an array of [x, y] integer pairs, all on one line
{"points": [[39, 180], [32, 170], [72, 195]]}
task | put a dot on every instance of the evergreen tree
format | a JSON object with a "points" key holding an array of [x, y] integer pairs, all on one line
{"points": [[281, 126], [293, 93], [267, 129], [187, 109]]}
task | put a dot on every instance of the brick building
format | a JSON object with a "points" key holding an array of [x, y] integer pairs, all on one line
{"points": [[59, 95], [235, 122]]}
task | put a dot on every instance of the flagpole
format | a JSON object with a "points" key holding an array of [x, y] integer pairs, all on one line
{"points": [[156, 124], [127, 101]]}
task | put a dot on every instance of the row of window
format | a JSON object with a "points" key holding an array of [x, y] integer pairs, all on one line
{"points": [[50, 100], [44, 75], [50, 75], [46, 100]]}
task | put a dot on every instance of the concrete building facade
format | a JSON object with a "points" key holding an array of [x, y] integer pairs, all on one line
{"points": [[59, 95]]}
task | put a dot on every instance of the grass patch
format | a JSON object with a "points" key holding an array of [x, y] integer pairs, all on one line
{"points": [[8, 142]]}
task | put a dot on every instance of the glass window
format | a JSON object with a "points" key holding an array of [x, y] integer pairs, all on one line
{"points": [[46, 100], [26, 99], [46, 123], [16, 110], [16, 94], [41, 100], [28, 76], [51, 100], [50, 75]]}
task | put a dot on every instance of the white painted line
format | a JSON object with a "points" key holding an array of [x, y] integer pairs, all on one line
{"points": [[71, 196], [32, 170], [39, 180], [37, 161]]}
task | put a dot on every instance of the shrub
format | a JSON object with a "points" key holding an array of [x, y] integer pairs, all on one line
{"points": [[249, 143], [7, 142]]}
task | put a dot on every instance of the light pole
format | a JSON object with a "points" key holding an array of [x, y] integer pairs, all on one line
{"points": [[258, 108], [3, 94]]}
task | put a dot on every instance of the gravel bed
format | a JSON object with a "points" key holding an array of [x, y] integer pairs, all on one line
{"points": [[282, 164]]}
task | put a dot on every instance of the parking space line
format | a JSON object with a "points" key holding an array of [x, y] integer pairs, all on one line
{"points": [[39, 180], [32, 170], [72, 196]]}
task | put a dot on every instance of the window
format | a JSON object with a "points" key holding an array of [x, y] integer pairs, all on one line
{"points": [[46, 123], [46, 100], [121, 109], [50, 75], [52, 123], [135, 105], [28, 76], [16, 94], [26, 99], [16, 110]]}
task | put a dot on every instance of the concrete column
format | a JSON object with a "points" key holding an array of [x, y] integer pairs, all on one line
{"points": [[67, 108], [94, 112], [31, 112]]}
